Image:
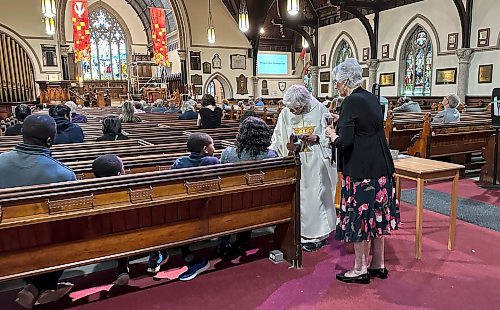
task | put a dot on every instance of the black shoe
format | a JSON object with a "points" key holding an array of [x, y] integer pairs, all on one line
{"points": [[362, 279], [381, 273], [313, 246]]}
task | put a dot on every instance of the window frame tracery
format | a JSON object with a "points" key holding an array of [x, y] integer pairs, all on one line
{"points": [[411, 62]]}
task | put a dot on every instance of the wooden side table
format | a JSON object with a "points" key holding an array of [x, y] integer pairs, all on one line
{"points": [[422, 170]]}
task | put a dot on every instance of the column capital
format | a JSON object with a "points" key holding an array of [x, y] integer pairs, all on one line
{"points": [[182, 54], [314, 70], [372, 64], [465, 55], [64, 49]]}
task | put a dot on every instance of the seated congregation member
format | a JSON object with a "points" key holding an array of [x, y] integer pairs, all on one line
{"points": [[247, 114], [75, 117], [450, 114], [210, 116], [172, 109], [188, 110], [259, 102], [158, 107], [252, 143], [139, 106], [41, 108], [407, 105], [67, 132], [304, 116], [202, 149], [22, 111], [127, 115], [30, 163], [368, 209], [112, 129], [108, 166]]}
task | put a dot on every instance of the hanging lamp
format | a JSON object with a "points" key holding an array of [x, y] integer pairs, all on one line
{"points": [[243, 20], [49, 8], [305, 44], [211, 29], [292, 6]]}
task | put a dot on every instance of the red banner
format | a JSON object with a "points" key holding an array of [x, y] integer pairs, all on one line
{"points": [[81, 29], [159, 36]]}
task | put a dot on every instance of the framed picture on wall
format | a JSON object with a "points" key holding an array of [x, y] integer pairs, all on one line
{"points": [[324, 76], [366, 53], [216, 62], [485, 74], [196, 79], [198, 90], [195, 60], [366, 72], [207, 68], [387, 79], [446, 76], [452, 41], [323, 60], [483, 37], [264, 92], [325, 88], [238, 62], [385, 51]]}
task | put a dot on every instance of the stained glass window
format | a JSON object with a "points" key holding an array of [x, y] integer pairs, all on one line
{"points": [[108, 48], [417, 64], [343, 52]]}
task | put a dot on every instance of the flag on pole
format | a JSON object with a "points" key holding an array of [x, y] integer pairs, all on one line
{"points": [[159, 36], [81, 29]]}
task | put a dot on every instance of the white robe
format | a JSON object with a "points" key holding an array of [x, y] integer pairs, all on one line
{"points": [[319, 176]]}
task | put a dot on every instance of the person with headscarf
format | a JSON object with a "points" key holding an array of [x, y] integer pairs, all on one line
{"points": [[75, 117], [368, 208], [112, 129], [128, 115], [304, 116]]}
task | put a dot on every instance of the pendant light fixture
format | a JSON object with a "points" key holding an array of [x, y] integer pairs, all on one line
{"points": [[305, 44], [211, 29], [49, 13], [292, 6], [243, 20]]}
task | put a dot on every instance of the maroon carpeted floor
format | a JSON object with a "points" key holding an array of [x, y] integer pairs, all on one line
{"points": [[467, 278]]}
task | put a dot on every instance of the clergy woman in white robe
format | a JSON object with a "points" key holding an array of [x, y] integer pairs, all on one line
{"points": [[304, 115]]}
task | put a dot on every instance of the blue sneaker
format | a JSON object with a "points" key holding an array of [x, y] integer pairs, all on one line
{"points": [[156, 260], [194, 270]]}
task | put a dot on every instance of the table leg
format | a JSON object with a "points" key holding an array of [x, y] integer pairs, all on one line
{"points": [[453, 212], [420, 211], [398, 189]]}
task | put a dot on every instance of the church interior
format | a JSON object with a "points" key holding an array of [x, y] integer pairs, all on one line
{"points": [[245, 154]]}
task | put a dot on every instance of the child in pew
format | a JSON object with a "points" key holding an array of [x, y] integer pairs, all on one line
{"points": [[107, 166], [202, 149]]}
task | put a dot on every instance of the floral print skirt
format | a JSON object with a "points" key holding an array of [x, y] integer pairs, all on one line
{"points": [[369, 209]]}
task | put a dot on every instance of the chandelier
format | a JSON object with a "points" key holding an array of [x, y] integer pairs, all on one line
{"points": [[211, 29], [49, 13], [243, 20], [292, 6]]}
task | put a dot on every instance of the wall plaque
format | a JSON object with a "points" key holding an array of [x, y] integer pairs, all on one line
{"points": [[238, 62], [452, 41], [387, 79], [241, 83], [446, 76], [385, 51], [485, 74], [195, 60], [216, 62], [196, 79], [324, 76], [207, 69], [483, 37]]}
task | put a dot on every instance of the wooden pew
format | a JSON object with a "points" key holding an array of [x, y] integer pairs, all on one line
{"points": [[64, 225], [487, 171]]}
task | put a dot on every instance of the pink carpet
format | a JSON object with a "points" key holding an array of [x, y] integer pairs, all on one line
{"points": [[467, 278]]}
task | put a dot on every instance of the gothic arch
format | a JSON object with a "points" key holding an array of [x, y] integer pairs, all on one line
{"points": [[228, 89], [408, 30], [343, 36]]}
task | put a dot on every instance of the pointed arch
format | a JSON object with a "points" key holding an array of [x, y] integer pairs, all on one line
{"points": [[407, 30], [342, 37], [228, 89]]}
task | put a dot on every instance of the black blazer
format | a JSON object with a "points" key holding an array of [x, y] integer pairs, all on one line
{"points": [[362, 147]]}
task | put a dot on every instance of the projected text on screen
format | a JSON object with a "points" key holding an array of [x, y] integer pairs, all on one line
{"points": [[272, 64]]}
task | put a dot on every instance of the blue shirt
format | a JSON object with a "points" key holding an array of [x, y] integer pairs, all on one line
{"points": [[30, 164], [188, 115], [230, 155], [194, 160], [259, 104]]}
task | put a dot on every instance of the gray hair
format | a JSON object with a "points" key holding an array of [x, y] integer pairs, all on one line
{"points": [[72, 106], [453, 100], [349, 71], [187, 106], [297, 96]]}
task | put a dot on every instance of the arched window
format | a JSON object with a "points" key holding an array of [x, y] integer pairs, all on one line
{"points": [[108, 48], [343, 52], [417, 64], [211, 88]]}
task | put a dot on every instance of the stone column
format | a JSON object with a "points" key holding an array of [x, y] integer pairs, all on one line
{"points": [[372, 73], [64, 49], [255, 84], [464, 58], [315, 80], [184, 79]]}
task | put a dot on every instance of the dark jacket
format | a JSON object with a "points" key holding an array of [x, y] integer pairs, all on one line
{"points": [[68, 132], [112, 137], [30, 165], [363, 150], [14, 130], [78, 118], [190, 114], [195, 160], [210, 119]]}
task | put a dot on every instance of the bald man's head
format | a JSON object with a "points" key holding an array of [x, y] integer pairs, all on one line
{"points": [[39, 130]]}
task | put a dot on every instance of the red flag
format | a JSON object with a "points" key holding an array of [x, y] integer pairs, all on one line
{"points": [[81, 29], [303, 54], [159, 36]]}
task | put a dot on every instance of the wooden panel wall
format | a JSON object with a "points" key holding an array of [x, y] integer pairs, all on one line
{"points": [[17, 83]]}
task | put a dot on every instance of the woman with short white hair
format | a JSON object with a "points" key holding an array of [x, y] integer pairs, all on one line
{"points": [[368, 208], [303, 116], [75, 117]]}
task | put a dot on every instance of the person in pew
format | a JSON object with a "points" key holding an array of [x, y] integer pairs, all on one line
{"points": [[407, 105], [30, 163], [158, 107], [252, 143], [112, 129], [210, 115], [22, 111], [75, 117], [450, 114], [201, 147], [67, 132], [110, 165], [369, 209], [247, 114], [172, 109], [188, 110], [304, 117], [128, 115], [139, 106], [259, 102]]}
